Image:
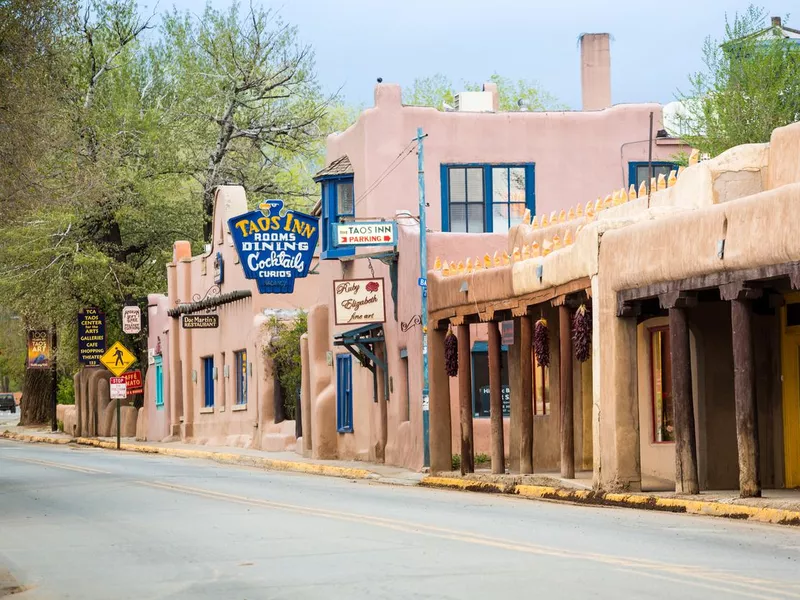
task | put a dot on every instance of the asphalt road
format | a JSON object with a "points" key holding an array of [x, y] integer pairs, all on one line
{"points": [[88, 523]]}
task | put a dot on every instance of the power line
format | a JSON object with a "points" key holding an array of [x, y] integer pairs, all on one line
{"points": [[398, 160]]}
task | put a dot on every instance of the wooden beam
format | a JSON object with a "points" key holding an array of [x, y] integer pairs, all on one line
{"points": [[565, 372], [514, 304], [465, 400], [686, 481], [790, 270], [739, 290], [526, 397], [677, 299], [496, 400], [629, 309], [745, 398]]}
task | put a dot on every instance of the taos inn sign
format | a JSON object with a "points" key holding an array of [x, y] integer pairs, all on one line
{"points": [[274, 248], [373, 233]]}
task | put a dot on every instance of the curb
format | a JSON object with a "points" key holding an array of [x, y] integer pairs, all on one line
{"points": [[776, 516], [220, 457]]}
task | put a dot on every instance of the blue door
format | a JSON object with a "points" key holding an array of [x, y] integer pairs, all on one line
{"points": [[208, 378], [159, 383], [344, 393]]}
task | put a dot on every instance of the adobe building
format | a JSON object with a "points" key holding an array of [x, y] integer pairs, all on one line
{"points": [[693, 380], [362, 385]]}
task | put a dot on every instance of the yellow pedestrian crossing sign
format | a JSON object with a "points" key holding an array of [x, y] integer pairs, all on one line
{"points": [[118, 359]]}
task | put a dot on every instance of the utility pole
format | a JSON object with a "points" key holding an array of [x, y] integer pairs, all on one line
{"points": [[423, 283]]}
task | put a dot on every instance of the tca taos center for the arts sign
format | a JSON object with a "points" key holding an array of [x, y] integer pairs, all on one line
{"points": [[359, 301], [274, 248], [91, 336]]}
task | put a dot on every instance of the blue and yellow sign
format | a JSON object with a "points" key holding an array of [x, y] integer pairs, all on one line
{"points": [[274, 248]]}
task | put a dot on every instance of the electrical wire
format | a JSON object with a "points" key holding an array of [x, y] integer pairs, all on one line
{"points": [[404, 153]]}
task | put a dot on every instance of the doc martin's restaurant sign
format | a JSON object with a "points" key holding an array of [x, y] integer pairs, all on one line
{"points": [[274, 248]]}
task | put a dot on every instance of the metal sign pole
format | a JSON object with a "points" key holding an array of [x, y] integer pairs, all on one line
{"points": [[423, 273]]}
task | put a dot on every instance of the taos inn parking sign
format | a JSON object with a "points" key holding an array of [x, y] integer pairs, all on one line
{"points": [[274, 248]]}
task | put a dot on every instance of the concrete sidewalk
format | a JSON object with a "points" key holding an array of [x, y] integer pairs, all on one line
{"points": [[276, 461]]}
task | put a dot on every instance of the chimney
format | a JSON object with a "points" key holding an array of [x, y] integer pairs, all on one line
{"points": [[776, 22], [595, 71]]}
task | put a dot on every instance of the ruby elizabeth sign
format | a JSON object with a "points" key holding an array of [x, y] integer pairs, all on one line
{"points": [[359, 301]]}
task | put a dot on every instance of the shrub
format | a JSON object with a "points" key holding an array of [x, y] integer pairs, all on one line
{"points": [[284, 350]]}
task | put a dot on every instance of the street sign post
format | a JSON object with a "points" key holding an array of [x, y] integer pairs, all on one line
{"points": [[119, 392], [118, 388], [118, 359], [131, 320]]}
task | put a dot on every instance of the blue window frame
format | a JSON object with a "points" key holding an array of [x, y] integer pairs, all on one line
{"points": [[637, 171], [159, 382], [479, 198], [208, 381], [344, 393], [480, 380], [241, 376], [338, 203]]}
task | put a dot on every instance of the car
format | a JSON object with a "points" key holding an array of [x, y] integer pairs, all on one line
{"points": [[7, 402]]}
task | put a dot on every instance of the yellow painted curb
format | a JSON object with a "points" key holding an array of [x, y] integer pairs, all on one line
{"points": [[641, 501], [221, 457]]}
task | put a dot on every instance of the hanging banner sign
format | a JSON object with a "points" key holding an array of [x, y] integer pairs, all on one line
{"points": [[133, 382], [362, 233], [359, 301], [200, 321], [91, 336], [274, 248], [131, 320], [39, 349]]}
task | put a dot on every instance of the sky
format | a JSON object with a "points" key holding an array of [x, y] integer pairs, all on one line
{"points": [[654, 48]]}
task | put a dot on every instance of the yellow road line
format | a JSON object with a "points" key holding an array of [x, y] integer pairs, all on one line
{"points": [[749, 587], [47, 463]]}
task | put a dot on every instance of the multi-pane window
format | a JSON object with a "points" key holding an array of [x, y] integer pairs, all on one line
{"points": [[508, 197], [466, 199], [338, 204], [241, 376], [637, 172], [485, 198], [345, 200], [661, 374]]}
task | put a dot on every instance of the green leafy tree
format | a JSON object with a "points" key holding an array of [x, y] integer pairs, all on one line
{"points": [[513, 95], [748, 87], [247, 103]]}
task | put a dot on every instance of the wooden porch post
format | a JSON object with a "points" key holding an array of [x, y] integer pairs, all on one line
{"points": [[465, 400], [565, 385], [526, 397], [440, 432], [745, 397], [496, 400], [686, 481]]}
